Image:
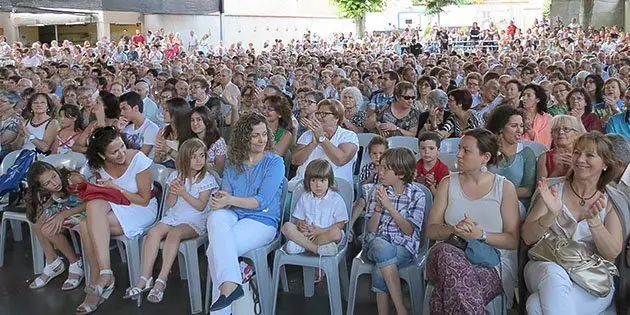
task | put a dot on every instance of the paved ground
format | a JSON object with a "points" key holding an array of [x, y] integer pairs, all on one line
{"points": [[16, 298]]}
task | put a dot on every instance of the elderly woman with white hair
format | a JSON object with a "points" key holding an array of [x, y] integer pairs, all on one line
{"points": [[354, 116], [434, 118]]}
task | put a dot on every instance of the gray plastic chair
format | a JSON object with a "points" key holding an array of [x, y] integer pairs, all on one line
{"points": [[410, 143], [261, 265], [450, 159], [36, 248], [69, 160], [412, 274], [450, 145], [330, 265], [538, 147]]}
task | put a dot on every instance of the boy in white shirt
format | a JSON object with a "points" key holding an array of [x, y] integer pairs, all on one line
{"points": [[140, 134]]}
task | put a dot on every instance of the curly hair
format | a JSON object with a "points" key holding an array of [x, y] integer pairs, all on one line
{"points": [[239, 146], [28, 110], [98, 142]]}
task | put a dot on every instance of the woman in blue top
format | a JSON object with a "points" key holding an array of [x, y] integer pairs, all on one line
{"points": [[246, 212], [516, 163]]}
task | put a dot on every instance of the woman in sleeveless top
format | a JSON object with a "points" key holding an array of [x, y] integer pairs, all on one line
{"points": [[474, 205], [40, 131], [578, 208], [557, 161], [176, 117], [70, 128], [515, 162], [277, 110]]}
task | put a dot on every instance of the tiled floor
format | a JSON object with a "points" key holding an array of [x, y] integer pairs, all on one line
{"points": [[16, 298]]}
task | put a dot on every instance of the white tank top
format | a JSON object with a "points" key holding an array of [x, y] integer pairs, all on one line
{"points": [[37, 130], [486, 211]]}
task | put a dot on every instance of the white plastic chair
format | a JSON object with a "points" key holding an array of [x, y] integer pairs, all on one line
{"points": [[36, 248], [450, 160], [410, 143], [259, 257], [537, 147], [330, 265], [412, 274], [450, 145], [68, 160]]}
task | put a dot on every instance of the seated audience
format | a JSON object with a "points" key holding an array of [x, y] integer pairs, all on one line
{"points": [[557, 161], [277, 110], [70, 124], [536, 119], [40, 130], [580, 107], [461, 118], [429, 169], [176, 116], [205, 128], [397, 118]]}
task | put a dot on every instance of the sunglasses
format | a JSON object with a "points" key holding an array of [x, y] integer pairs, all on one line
{"points": [[409, 97]]}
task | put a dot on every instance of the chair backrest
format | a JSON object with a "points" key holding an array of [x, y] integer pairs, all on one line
{"points": [[8, 161], [450, 160], [70, 160], [538, 147], [450, 145], [216, 176], [363, 156], [160, 173], [410, 143], [424, 236]]}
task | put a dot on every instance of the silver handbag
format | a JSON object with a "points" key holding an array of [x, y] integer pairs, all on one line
{"points": [[587, 269]]}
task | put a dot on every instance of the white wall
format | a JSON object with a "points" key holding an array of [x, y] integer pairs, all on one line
{"points": [[305, 8]]}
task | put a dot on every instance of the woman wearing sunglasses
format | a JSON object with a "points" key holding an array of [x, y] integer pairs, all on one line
{"points": [[398, 118]]}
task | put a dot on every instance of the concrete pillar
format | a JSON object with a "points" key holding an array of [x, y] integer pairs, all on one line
{"points": [[10, 29], [102, 26], [627, 15]]}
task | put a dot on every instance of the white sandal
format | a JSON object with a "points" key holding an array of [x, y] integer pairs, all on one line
{"points": [[156, 295], [133, 292], [75, 268], [103, 292], [51, 270]]}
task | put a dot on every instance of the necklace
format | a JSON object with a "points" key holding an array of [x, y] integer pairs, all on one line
{"points": [[582, 199]]}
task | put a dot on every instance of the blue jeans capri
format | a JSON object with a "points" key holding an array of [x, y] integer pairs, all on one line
{"points": [[383, 253]]}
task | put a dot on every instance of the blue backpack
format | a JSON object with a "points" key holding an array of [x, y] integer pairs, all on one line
{"points": [[11, 181]]}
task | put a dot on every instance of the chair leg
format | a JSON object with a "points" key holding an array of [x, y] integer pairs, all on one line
{"points": [[37, 252], [183, 273], [208, 298], [334, 287], [133, 262], [263, 279], [75, 242], [16, 228], [3, 232], [284, 279], [416, 291], [122, 252], [194, 278], [343, 278], [428, 291], [308, 274], [352, 294], [278, 272]]}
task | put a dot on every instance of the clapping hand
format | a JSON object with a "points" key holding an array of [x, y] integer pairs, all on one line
{"points": [[550, 196], [177, 187], [159, 145], [383, 199], [467, 228], [592, 214]]}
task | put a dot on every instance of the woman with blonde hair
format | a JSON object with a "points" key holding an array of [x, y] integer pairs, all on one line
{"points": [[556, 162]]}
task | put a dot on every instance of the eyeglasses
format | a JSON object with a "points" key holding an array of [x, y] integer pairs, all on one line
{"points": [[409, 97], [560, 91], [323, 114], [564, 130], [269, 109]]}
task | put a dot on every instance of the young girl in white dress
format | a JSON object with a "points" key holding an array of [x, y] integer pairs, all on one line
{"points": [[189, 190]]}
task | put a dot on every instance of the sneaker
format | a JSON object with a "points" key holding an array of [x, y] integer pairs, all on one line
{"points": [[329, 249], [292, 248]]}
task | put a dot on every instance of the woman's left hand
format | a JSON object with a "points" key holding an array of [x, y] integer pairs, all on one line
{"points": [[592, 214], [467, 228], [220, 200], [107, 183]]}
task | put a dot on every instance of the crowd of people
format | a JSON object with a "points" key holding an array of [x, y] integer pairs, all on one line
{"points": [[294, 110]]}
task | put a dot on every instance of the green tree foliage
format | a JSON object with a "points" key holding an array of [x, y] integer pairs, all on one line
{"points": [[437, 6], [353, 9]]}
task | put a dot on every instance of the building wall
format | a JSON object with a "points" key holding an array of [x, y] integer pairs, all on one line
{"points": [[305, 8], [605, 12]]}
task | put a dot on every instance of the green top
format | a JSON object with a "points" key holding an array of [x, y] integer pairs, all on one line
{"points": [[557, 109], [278, 135]]}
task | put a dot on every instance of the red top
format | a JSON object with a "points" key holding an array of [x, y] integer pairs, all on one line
{"points": [[551, 166], [592, 123], [439, 170], [137, 39]]}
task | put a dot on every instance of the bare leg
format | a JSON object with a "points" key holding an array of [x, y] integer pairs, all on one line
{"points": [[171, 247], [88, 246], [392, 279], [63, 245], [47, 245], [382, 303], [151, 247], [102, 223], [357, 209]]}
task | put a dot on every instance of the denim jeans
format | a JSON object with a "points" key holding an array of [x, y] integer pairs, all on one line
{"points": [[383, 253]]}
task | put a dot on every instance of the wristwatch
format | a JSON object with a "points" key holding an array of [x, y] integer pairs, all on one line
{"points": [[321, 139], [484, 236]]}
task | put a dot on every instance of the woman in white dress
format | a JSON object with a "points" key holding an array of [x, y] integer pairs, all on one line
{"points": [[126, 170]]}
